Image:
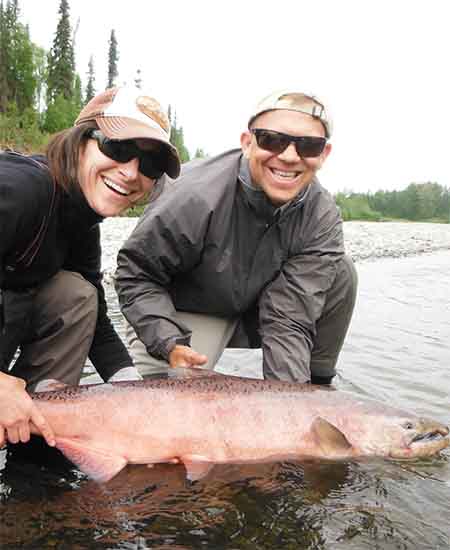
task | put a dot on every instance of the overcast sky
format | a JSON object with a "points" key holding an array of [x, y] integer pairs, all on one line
{"points": [[381, 65]]}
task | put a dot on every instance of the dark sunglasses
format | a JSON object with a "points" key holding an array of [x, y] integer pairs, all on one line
{"points": [[277, 142], [123, 150]]}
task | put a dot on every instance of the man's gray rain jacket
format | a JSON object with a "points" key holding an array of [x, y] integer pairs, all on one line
{"points": [[203, 248]]}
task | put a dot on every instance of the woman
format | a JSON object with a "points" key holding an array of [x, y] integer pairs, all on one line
{"points": [[52, 302]]}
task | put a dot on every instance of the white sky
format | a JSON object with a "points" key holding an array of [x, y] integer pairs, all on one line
{"points": [[381, 65]]}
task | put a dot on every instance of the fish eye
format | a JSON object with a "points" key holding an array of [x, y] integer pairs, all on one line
{"points": [[408, 426]]}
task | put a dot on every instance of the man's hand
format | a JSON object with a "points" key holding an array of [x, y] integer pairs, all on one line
{"points": [[184, 356], [18, 413]]}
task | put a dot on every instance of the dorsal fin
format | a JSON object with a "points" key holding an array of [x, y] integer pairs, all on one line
{"points": [[50, 384]]}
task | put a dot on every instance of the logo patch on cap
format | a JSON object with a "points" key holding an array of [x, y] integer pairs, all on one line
{"points": [[151, 108]]}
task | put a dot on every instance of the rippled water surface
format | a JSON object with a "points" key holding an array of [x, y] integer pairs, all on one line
{"points": [[397, 351]]}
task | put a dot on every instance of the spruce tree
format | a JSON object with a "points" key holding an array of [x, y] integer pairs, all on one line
{"points": [[64, 97], [17, 69], [5, 53], [90, 86], [77, 98], [113, 58], [177, 137], [61, 60]]}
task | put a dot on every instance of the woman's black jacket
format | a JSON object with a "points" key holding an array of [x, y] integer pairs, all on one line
{"points": [[43, 229]]}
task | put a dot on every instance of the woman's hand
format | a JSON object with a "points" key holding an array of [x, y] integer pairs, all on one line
{"points": [[18, 412], [184, 356]]}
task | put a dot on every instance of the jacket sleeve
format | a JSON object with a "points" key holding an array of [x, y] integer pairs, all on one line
{"points": [[108, 353], [291, 305], [167, 242], [18, 210]]}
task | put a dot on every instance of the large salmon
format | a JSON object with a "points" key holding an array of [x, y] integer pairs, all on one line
{"points": [[211, 419]]}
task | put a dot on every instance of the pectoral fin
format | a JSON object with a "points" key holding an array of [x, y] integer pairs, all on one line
{"points": [[196, 469], [331, 441], [97, 465]]}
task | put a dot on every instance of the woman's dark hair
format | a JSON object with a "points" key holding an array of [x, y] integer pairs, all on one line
{"points": [[63, 153]]}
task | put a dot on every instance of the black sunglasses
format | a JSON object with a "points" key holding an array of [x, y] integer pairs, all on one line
{"points": [[123, 150], [277, 142]]}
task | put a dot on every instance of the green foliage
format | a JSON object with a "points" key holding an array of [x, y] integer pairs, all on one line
{"points": [[18, 78], [418, 202], [356, 207], [177, 137], [40, 91], [200, 153], [77, 97], [61, 113], [113, 58], [20, 130], [61, 59], [64, 93]]}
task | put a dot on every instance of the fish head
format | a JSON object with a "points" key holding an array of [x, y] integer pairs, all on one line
{"points": [[405, 437], [421, 437]]}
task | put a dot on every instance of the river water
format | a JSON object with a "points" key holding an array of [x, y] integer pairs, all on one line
{"points": [[397, 351]]}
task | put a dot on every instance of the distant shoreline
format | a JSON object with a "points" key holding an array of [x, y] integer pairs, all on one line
{"points": [[364, 241], [394, 239]]}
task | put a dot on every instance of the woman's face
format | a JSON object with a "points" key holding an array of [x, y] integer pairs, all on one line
{"points": [[110, 187]]}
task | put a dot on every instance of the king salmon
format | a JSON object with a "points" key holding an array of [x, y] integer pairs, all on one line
{"points": [[212, 419]]}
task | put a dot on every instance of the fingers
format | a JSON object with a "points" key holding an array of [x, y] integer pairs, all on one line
{"points": [[43, 427], [184, 356], [19, 414], [24, 433], [13, 434]]}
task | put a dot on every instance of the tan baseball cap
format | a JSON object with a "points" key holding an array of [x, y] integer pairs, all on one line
{"points": [[126, 112], [295, 101]]}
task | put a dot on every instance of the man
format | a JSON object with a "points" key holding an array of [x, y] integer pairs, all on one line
{"points": [[246, 250]]}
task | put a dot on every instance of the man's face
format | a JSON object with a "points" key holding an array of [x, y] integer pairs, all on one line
{"points": [[282, 176]]}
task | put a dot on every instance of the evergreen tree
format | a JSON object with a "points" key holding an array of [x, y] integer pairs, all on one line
{"points": [[64, 95], [90, 87], [77, 98], [113, 58], [61, 60], [177, 137], [17, 70], [200, 153]]}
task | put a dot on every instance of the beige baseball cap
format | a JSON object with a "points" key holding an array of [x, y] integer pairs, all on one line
{"points": [[126, 112], [288, 100]]}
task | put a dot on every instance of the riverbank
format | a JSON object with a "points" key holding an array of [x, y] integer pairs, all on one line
{"points": [[364, 241], [373, 240]]}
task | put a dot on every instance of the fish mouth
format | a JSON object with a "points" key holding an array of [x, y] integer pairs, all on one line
{"points": [[439, 436]]}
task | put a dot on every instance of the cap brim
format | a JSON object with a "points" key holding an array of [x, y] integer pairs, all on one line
{"points": [[128, 128]]}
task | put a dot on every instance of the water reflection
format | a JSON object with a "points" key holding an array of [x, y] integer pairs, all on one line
{"points": [[274, 505]]}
